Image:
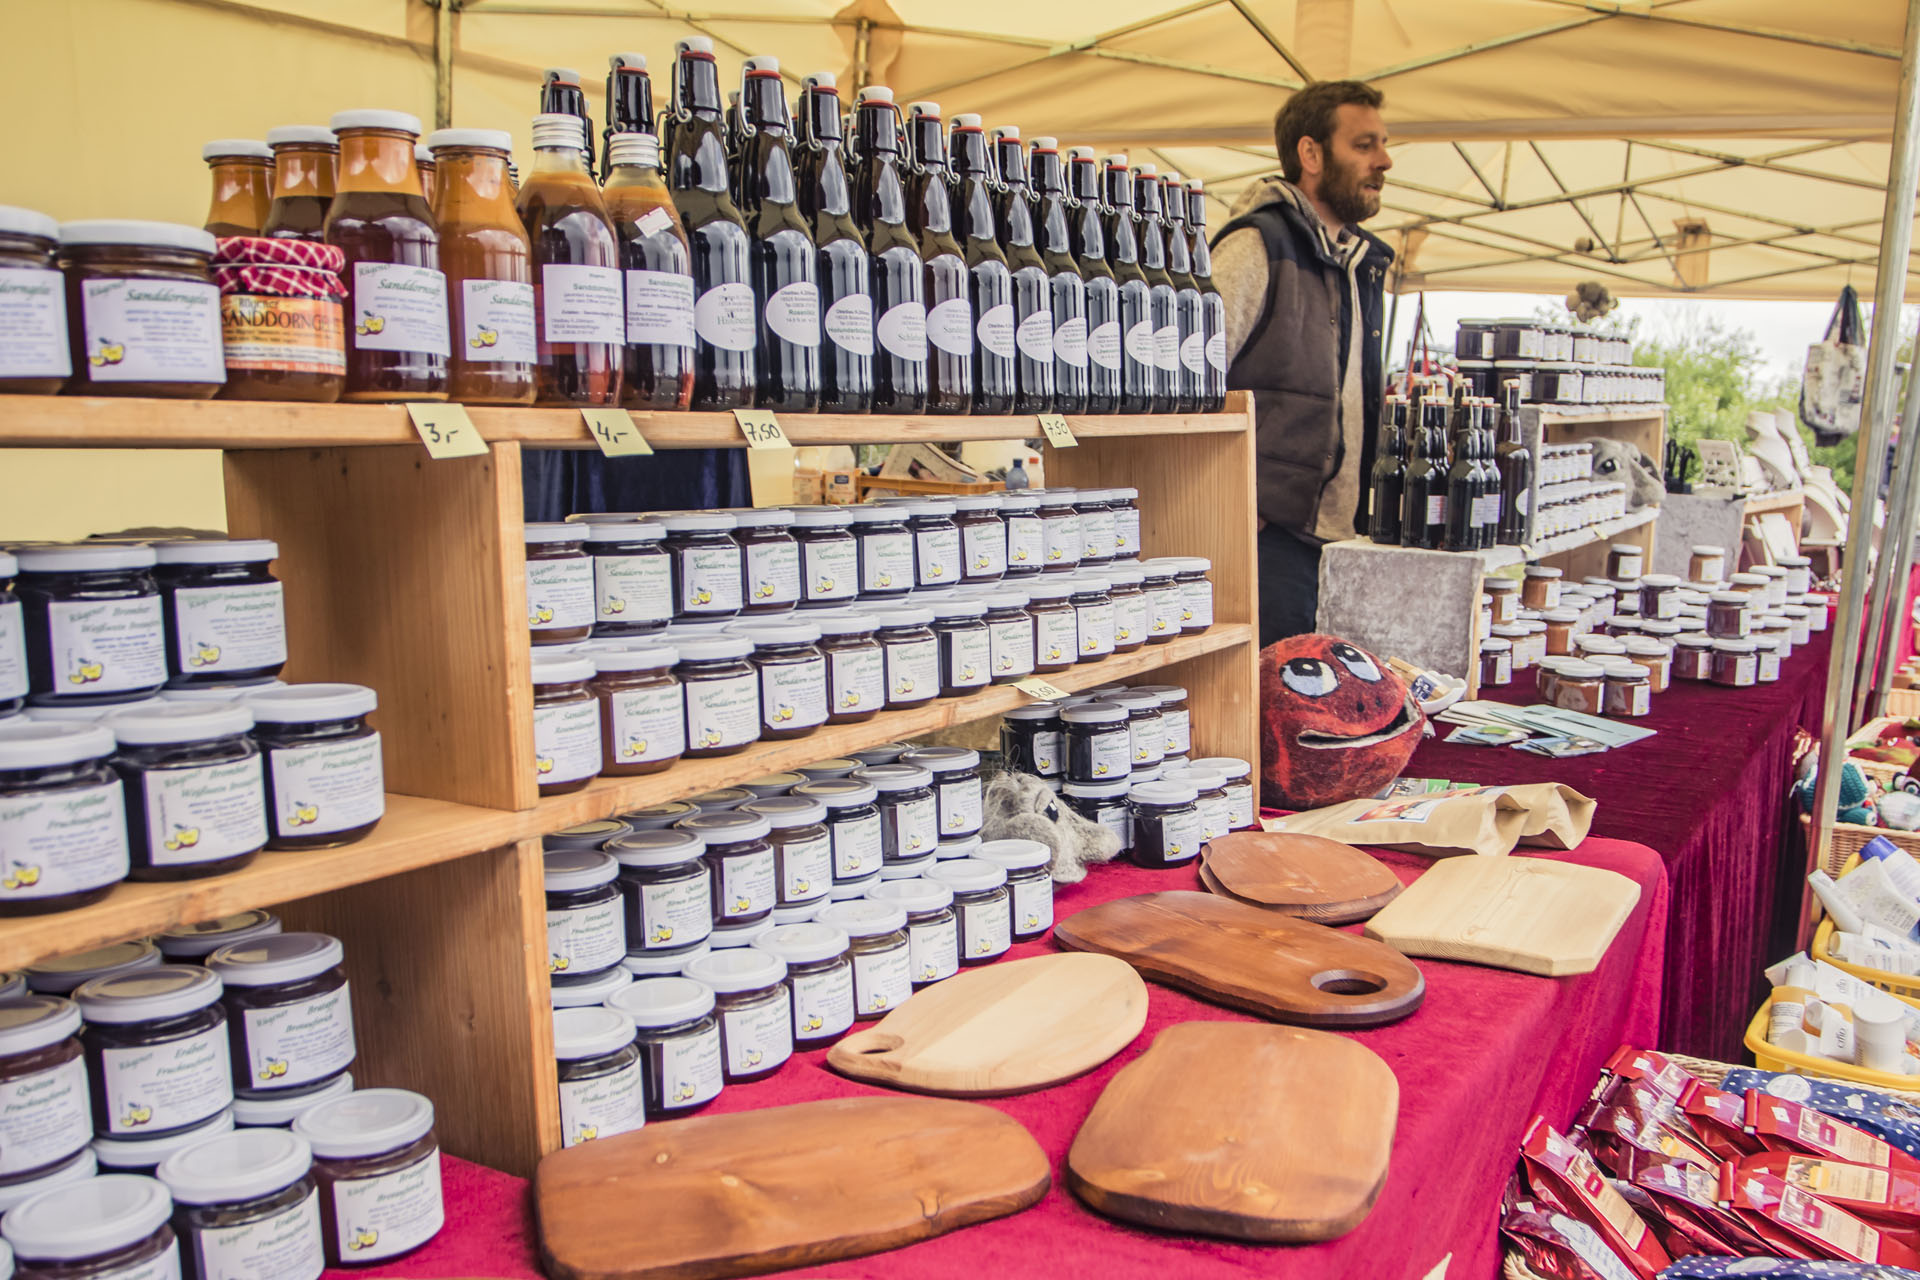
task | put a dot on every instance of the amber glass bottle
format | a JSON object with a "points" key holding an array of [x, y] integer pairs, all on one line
{"points": [[242, 185], [398, 347], [424, 162], [576, 279], [489, 265], [659, 278], [304, 159]]}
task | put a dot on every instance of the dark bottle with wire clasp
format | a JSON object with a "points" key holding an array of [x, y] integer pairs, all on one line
{"points": [[1213, 307], [561, 94], [1032, 299], [1389, 474], [1165, 300], [899, 288], [1138, 382], [785, 288], [843, 266], [1088, 242], [989, 281], [1424, 522], [949, 304], [1514, 461], [1067, 288], [1190, 372], [1465, 481]]}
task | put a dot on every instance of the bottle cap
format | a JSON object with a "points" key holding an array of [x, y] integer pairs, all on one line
{"points": [[1010, 131], [968, 120], [627, 62], [373, 118], [557, 129], [924, 109], [1118, 161], [286, 135], [761, 65], [695, 46], [244, 148], [562, 75], [875, 93], [491, 139], [423, 154], [825, 81], [1046, 144]]}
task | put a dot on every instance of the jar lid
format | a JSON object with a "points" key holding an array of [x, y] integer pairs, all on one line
{"points": [[840, 793], [86, 558], [660, 815], [1019, 500], [843, 622], [913, 895], [1124, 575], [713, 648], [122, 231], [1163, 793], [1738, 598], [562, 671], [234, 691], [1060, 496], [696, 521], [663, 964], [977, 502], [555, 531], [895, 777], [1013, 854], [1005, 598], [925, 508], [1509, 630], [1532, 626], [663, 1002], [827, 770], [1795, 612], [597, 988], [903, 615], [46, 744], [570, 869], [1796, 562], [78, 1167], [172, 722], [1094, 713], [958, 607], [626, 531], [874, 513], [1125, 493], [1575, 669], [312, 703], [588, 835], [1092, 497], [761, 517], [369, 118], [1197, 778], [1054, 587], [245, 1164], [217, 551], [1096, 790], [659, 847], [87, 1219], [115, 1154], [490, 139], [962, 847], [27, 222], [34, 1022], [1645, 646], [1166, 692], [968, 875], [191, 941], [256, 1113], [278, 959], [1596, 643], [788, 811], [908, 868], [1659, 627], [148, 994], [821, 517], [772, 633], [1497, 645], [881, 753], [1623, 669], [1499, 584], [943, 759], [293, 134], [652, 658], [1032, 711], [1771, 572], [1696, 641], [1562, 615], [1705, 550], [740, 969], [863, 917], [366, 1122], [803, 943], [1134, 700], [590, 1032], [61, 974], [1542, 571], [1748, 579], [726, 826], [1659, 581], [771, 785]]}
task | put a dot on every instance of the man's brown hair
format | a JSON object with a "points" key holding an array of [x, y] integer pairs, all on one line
{"points": [[1310, 113]]}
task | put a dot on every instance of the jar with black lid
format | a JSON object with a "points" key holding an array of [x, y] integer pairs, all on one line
{"points": [[223, 611], [1026, 535], [1093, 617], [1030, 740], [1104, 803], [1126, 521], [1146, 727], [679, 1038], [802, 848], [1096, 525], [33, 306], [643, 712], [375, 1148], [722, 691], [245, 1204], [107, 1228], [47, 1118], [853, 825], [560, 586], [1099, 743], [1240, 797], [1009, 634], [756, 1011], [933, 930], [966, 649], [63, 826], [665, 890], [195, 791], [936, 543], [1167, 828], [829, 556], [586, 925], [63, 975], [1056, 626], [1164, 600], [909, 811], [566, 724], [877, 939], [632, 578], [1132, 610], [771, 560], [819, 980], [1028, 864], [912, 654], [597, 1060], [792, 673], [157, 1050], [289, 1012], [709, 567], [983, 536], [886, 551], [93, 622], [13, 643], [983, 904], [143, 313], [745, 886], [856, 665], [1060, 533], [326, 785]]}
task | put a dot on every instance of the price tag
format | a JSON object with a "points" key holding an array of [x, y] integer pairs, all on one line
{"points": [[761, 429], [1059, 434], [446, 430], [614, 431], [1038, 689]]}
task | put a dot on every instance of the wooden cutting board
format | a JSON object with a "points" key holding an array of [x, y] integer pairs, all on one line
{"points": [[1531, 914], [1242, 1130], [1299, 875], [1249, 958], [1003, 1028], [758, 1191]]}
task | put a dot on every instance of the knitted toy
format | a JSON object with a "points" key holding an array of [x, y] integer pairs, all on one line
{"points": [[1021, 807], [1855, 802], [1335, 723]]}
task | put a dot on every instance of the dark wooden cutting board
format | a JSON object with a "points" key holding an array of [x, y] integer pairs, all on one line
{"points": [[1241, 1130], [1298, 875], [1250, 958], [758, 1191]]}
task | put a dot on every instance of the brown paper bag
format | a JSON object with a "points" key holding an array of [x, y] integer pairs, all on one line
{"points": [[1485, 820]]}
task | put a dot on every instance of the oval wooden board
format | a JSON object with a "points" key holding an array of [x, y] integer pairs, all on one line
{"points": [[1300, 875], [1004, 1028], [758, 1191], [1242, 1130], [1249, 958]]}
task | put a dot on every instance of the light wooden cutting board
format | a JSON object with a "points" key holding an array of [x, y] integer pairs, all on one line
{"points": [[1531, 914], [1299, 875]]}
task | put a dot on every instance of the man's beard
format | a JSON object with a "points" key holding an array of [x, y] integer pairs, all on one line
{"points": [[1342, 190]]}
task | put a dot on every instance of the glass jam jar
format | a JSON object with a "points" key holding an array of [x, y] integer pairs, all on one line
{"points": [[560, 585], [1561, 627], [1056, 629], [643, 712], [325, 782], [1506, 599], [1729, 616], [107, 1228], [959, 795], [1125, 504], [1167, 828], [1028, 866], [756, 1010], [1240, 798], [281, 1110], [33, 305], [1009, 634], [1693, 658], [1659, 597], [586, 924], [157, 1050], [1098, 742], [1176, 722], [1707, 565], [829, 556], [223, 611], [792, 675], [1132, 610], [708, 565], [856, 665], [1060, 535], [63, 829], [937, 562], [745, 882], [1625, 560], [966, 648], [802, 847], [1096, 526], [13, 644], [1628, 691], [598, 1064], [93, 625], [1735, 663], [1580, 686], [1146, 728], [983, 537], [722, 691], [1216, 811], [245, 1204], [1656, 656], [1164, 601], [819, 980], [933, 930], [632, 578], [666, 889], [289, 1014], [912, 654], [771, 559], [48, 1119], [1103, 803], [1030, 740], [983, 904], [882, 967], [679, 1038], [1540, 589], [195, 791], [374, 1151], [1026, 535], [566, 725], [1496, 662], [143, 313], [63, 975], [886, 551], [909, 811], [853, 825], [1093, 617]]}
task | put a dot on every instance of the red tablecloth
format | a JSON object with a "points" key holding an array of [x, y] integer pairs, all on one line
{"points": [[1486, 1050], [1710, 794]]}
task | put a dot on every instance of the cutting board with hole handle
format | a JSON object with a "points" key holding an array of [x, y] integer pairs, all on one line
{"points": [[1002, 1028], [1249, 958], [1298, 875], [1243, 1130], [756, 1191]]}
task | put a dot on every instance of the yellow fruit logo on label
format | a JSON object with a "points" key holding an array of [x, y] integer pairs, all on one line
{"points": [[811, 1022], [1004, 664], [138, 1113], [23, 876], [109, 353], [982, 562], [1054, 553], [1122, 633], [614, 604], [305, 814], [903, 686], [1140, 753], [183, 837], [928, 974], [763, 591], [1089, 645], [543, 614], [710, 737], [1173, 847], [742, 904], [484, 338], [986, 945], [1101, 767], [586, 1133], [936, 571], [636, 745], [914, 841], [661, 933], [824, 585], [684, 1091], [783, 713], [86, 671], [853, 862], [969, 672], [370, 323], [702, 595], [755, 1057], [1186, 614], [558, 963], [883, 580], [274, 1069], [1055, 653], [543, 764], [851, 698], [204, 654], [363, 1238], [1159, 625], [1029, 922], [1019, 555], [878, 1002]]}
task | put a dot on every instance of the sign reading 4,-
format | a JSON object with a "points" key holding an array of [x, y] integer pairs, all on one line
{"points": [[446, 430], [616, 433], [1035, 687], [761, 429], [1058, 433]]}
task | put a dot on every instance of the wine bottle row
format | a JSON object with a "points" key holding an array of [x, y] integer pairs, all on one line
{"points": [[1450, 474]]}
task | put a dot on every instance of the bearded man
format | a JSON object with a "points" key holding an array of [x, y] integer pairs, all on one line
{"points": [[1303, 287]]}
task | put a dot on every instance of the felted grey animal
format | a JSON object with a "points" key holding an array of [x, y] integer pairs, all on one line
{"points": [[1021, 807], [1628, 463]]}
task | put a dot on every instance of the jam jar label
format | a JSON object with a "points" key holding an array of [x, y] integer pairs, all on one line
{"points": [[793, 695], [902, 330], [1110, 755], [1093, 628], [59, 842], [154, 331], [586, 939], [1117, 819], [104, 646], [1060, 536], [886, 562], [806, 869], [285, 1246], [1096, 534], [939, 556], [849, 322], [822, 1002], [1057, 636], [1046, 752], [1768, 669], [793, 312], [688, 1069], [286, 335], [1177, 725], [950, 323], [773, 573], [913, 670], [603, 1106], [632, 588], [166, 1086], [1165, 605], [336, 787], [709, 579], [566, 741], [1148, 740], [647, 724], [960, 807], [856, 848], [986, 928], [1026, 540], [229, 628], [560, 593], [399, 308], [659, 308], [985, 548], [13, 651], [1196, 604], [164, 1267], [1032, 904], [1010, 647], [913, 824], [303, 1042], [205, 812], [497, 322], [747, 885], [857, 679], [1216, 816], [33, 324], [1181, 835], [1132, 618], [1240, 804], [759, 1036], [44, 1117], [832, 570], [582, 304], [970, 664], [676, 914], [722, 713], [882, 980], [1126, 531], [933, 950], [376, 1218]]}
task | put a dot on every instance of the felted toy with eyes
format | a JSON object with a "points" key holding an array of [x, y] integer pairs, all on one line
{"points": [[1021, 807], [1335, 723]]}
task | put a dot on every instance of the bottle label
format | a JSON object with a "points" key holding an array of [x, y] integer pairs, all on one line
{"points": [[309, 1040], [1193, 353], [676, 914], [166, 1086], [1035, 336], [960, 807], [1063, 538], [203, 813], [1177, 726], [1094, 623], [1149, 740], [1070, 342], [1196, 603], [229, 628], [1010, 646], [285, 1246], [856, 848], [1140, 343], [582, 304], [283, 335], [1026, 540], [61, 842], [1166, 347], [1217, 352], [758, 1037], [985, 548], [806, 869], [1046, 753], [882, 980], [105, 646], [1126, 532], [560, 593], [13, 651], [722, 713], [1240, 801], [950, 326], [603, 1106], [156, 331], [44, 1117], [659, 308], [915, 825], [933, 950], [1103, 345], [1132, 618], [850, 324], [33, 324], [1032, 904], [1096, 534], [857, 679], [793, 314], [903, 330], [710, 580], [822, 1002], [793, 695], [986, 928], [773, 572], [690, 1069], [498, 321], [1437, 509], [1110, 752], [913, 670], [376, 1218], [832, 570], [399, 308], [747, 884], [1056, 636], [972, 664], [724, 315], [939, 556], [586, 939], [647, 724], [323, 789], [1165, 605], [887, 561], [633, 588], [996, 330], [566, 741]]}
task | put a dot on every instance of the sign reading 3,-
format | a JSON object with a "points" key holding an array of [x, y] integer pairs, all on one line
{"points": [[446, 430]]}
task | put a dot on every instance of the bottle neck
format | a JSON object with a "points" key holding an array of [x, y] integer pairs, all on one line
{"points": [[304, 171], [472, 187], [378, 160], [561, 160], [1007, 155], [819, 121], [876, 132], [1119, 190], [630, 101], [241, 191], [697, 91], [763, 105], [1048, 180], [970, 154], [1084, 182]]}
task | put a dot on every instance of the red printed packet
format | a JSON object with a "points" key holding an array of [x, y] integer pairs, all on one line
{"points": [[1570, 1176], [1559, 1247], [1645, 1120], [1829, 1230], [1660, 1073], [1781, 1125], [1688, 1196], [1888, 1196], [1720, 1119]]}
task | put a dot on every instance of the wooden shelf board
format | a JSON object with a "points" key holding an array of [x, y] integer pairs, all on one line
{"points": [[1600, 413], [1785, 500], [1563, 543]]}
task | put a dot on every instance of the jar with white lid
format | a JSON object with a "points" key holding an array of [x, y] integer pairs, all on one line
{"points": [[326, 784], [708, 565], [79, 1167], [756, 1012], [156, 1043], [802, 847], [1061, 538], [632, 578], [93, 622], [107, 1228], [959, 796], [46, 1118], [1240, 797], [1799, 622], [679, 1039], [854, 821], [143, 313], [1098, 742], [964, 847], [722, 692], [195, 791], [190, 942], [1799, 574], [771, 559], [738, 853], [1736, 664], [1028, 866], [289, 1012], [666, 890], [1009, 634], [63, 829], [62, 975], [1030, 739], [377, 1161], [819, 980], [1693, 658], [933, 930], [792, 673], [856, 664], [1093, 616], [1167, 828], [33, 305], [829, 556], [1656, 656], [586, 926], [138, 1155], [912, 653], [1056, 630], [1196, 593], [1776, 589], [938, 563], [1096, 525], [224, 612], [602, 1092], [566, 724], [877, 937], [599, 988], [886, 551], [982, 902], [279, 1111], [1102, 803], [1216, 812], [1126, 521], [560, 588], [909, 809], [983, 536], [246, 1204]]}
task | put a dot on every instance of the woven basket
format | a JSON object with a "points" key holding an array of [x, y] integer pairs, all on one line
{"points": [[1904, 703], [1869, 734], [1849, 839]]}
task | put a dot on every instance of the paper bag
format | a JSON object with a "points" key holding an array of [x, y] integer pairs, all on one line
{"points": [[1485, 820]]}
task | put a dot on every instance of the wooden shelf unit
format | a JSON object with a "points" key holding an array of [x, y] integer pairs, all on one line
{"points": [[407, 575]]}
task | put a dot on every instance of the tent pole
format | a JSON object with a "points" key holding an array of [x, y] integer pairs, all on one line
{"points": [[1896, 234], [1896, 559], [443, 64]]}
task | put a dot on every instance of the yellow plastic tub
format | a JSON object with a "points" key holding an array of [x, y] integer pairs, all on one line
{"points": [[1771, 1058]]}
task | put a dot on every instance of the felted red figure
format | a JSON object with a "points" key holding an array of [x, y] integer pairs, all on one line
{"points": [[1335, 723]]}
